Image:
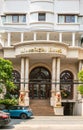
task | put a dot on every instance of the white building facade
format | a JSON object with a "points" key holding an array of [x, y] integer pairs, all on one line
{"points": [[43, 39]]}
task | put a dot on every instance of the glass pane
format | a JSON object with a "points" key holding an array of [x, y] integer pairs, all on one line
{"points": [[73, 19], [66, 90], [3, 18], [9, 19], [80, 20], [15, 18], [61, 19], [41, 17], [36, 90], [66, 79], [42, 90], [22, 18], [69, 19]]}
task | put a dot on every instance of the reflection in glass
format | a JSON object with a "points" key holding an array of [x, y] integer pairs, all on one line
{"points": [[66, 86]]}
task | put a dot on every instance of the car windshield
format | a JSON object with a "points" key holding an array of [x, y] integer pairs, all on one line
{"points": [[25, 107], [18, 107]]}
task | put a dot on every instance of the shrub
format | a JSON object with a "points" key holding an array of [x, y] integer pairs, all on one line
{"points": [[8, 102], [80, 89]]}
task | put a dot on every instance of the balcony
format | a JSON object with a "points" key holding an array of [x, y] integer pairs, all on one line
{"points": [[9, 39]]}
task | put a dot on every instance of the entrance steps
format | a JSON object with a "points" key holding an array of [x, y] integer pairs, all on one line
{"points": [[41, 108]]}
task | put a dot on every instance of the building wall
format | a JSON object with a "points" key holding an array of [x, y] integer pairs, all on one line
{"points": [[49, 33]]}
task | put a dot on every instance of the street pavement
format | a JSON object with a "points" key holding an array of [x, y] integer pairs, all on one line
{"points": [[47, 123]]}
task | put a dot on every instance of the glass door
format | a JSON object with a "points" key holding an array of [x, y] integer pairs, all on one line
{"points": [[42, 91], [39, 91], [36, 91]]}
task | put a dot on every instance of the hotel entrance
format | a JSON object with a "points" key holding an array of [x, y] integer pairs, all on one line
{"points": [[40, 86], [39, 91]]}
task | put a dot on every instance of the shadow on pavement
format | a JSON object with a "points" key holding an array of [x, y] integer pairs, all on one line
{"points": [[7, 127], [15, 121]]}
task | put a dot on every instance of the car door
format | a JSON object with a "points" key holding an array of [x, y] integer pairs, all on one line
{"points": [[13, 111]]}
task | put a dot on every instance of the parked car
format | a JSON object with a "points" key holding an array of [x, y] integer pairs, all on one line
{"points": [[23, 112], [4, 118]]}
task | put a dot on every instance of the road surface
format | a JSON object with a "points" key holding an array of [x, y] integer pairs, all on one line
{"points": [[47, 123]]}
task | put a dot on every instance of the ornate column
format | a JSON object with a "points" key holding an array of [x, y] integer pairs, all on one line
{"points": [[58, 75], [9, 38], [53, 81], [80, 65], [48, 36], [1, 41], [22, 74], [22, 36], [60, 37], [73, 39], [58, 109], [22, 92], [27, 82], [35, 35]]}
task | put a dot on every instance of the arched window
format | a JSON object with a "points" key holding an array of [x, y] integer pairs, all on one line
{"points": [[66, 86], [16, 80], [40, 73]]}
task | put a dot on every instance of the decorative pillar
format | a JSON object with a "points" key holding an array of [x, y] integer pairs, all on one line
{"points": [[58, 109], [9, 38], [80, 65], [53, 81], [35, 36], [60, 37], [73, 39], [22, 74], [28, 16], [22, 36], [1, 41], [27, 82], [48, 36], [22, 91], [58, 75]]}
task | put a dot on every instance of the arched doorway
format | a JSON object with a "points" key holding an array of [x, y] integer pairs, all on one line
{"points": [[66, 86], [39, 83], [16, 80]]}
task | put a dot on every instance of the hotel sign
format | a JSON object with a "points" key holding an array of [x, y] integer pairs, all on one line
{"points": [[41, 50]]}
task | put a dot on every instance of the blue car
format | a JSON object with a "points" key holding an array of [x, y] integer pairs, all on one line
{"points": [[23, 112]]}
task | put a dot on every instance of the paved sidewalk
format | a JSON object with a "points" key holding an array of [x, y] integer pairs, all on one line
{"points": [[48, 123]]}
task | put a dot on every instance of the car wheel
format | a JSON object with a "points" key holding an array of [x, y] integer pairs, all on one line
{"points": [[23, 116]]}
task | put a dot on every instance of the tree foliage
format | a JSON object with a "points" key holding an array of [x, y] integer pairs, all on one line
{"points": [[6, 77], [80, 77], [6, 81]]}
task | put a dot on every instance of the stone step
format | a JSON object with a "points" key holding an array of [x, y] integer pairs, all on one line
{"points": [[41, 108]]}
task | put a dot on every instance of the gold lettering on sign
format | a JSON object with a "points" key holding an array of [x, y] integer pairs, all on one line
{"points": [[55, 50], [36, 49]]}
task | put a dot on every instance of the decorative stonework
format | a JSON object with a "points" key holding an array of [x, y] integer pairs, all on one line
{"points": [[58, 111], [21, 98], [57, 99], [41, 50]]}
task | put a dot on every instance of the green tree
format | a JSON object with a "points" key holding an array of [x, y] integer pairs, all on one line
{"points": [[6, 77], [80, 77], [6, 80]]}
